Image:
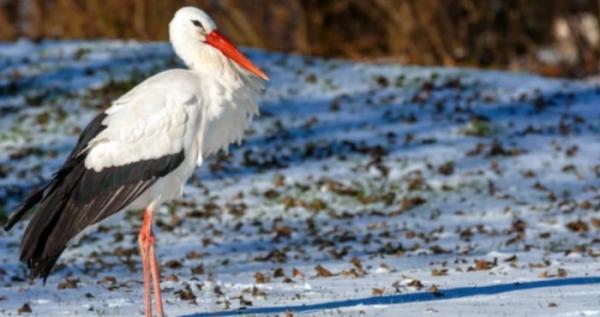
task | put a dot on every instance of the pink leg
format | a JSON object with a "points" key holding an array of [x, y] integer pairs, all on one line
{"points": [[155, 269], [146, 266], [146, 240]]}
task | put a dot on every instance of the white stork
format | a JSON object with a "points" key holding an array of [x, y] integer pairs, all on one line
{"points": [[140, 152]]}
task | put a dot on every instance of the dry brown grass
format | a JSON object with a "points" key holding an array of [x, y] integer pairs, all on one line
{"points": [[449, 32]]}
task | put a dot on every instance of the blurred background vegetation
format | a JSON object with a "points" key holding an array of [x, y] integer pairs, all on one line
{"points": [[553, 37]]}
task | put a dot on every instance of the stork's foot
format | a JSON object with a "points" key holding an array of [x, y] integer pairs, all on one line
{"points": [[150, 265]]}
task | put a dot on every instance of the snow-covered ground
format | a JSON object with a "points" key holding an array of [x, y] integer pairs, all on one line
{"points": [[362, 190]]}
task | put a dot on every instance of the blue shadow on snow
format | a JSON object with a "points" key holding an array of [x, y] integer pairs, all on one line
{"points": [[452, 293]]}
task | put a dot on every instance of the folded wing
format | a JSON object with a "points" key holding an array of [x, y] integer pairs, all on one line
{"points": [[119, 155]]}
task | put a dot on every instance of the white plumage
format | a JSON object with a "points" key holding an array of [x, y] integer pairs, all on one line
{"points": [[201, 111], [141, 151]]}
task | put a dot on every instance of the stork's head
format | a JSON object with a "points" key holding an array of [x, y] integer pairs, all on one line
{"points": [[196, 40]]}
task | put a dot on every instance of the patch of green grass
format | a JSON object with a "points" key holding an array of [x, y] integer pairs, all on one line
{"points": [[480, 128]]}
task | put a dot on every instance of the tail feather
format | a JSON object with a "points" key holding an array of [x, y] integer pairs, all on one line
{"points": [[46, 236], [36, 251], [39, 248], [23, 208], [32, 244]]}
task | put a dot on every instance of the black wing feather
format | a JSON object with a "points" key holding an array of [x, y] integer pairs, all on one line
{"points": [[92, 129], [78, 197]]}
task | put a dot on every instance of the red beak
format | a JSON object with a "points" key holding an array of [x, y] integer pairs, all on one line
{"points": [[218, 41]]}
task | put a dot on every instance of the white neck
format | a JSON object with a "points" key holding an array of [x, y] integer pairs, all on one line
{"points": [[210, 63], [204, 59], [215, 67]]}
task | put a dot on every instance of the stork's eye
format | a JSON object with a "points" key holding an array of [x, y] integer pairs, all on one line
{"points": [[197, 23]]}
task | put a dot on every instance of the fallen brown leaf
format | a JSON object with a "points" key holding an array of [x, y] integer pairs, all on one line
{"points": [[25, 309], [322, 271]]}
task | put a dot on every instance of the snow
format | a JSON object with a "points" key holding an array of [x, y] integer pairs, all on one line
{"points": [[362, 190]]}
